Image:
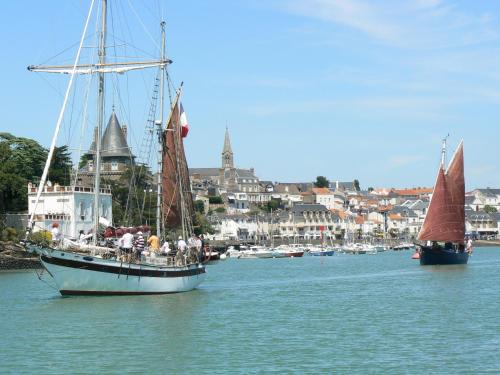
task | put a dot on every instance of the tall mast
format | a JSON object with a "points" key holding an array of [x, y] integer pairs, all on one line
{"points": [[443, 152], [100, 117], [160, 132]]}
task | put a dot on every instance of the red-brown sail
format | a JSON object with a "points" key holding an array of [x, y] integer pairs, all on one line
{"points": [[445, 219], [175, 174]]}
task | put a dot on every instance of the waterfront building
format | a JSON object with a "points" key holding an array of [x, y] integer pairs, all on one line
{"points": [[485, 197], [237, 203], [116, 155], [70, 206], [234, 227], [481, 224], [288, 193], [328, 198], [309, 221]]}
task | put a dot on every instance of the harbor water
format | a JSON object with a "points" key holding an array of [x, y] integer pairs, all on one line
{"points": [[347, 314]]}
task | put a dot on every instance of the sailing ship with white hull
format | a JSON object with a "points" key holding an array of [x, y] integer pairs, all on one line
{"points": [[443, 229], [94, 269]]}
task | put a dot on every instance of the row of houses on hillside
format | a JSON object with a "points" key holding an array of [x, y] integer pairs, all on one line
{"points": [[360, 221]]}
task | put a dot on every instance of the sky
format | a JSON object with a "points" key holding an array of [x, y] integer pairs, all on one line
{"points": [[345, 89]]}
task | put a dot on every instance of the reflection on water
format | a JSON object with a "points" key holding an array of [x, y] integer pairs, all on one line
{"points": [[343, 314]]}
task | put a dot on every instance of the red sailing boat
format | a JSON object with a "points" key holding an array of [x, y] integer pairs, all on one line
{"points": [[444, 225]]}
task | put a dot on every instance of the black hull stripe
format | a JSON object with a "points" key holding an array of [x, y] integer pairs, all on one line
{"points": [[123, 271], [107, 293], [430, 257]]}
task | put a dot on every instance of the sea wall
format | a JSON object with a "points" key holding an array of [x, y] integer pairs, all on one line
{"points": [[14, 256]]}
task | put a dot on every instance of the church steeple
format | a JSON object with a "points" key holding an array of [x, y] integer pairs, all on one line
{"points": [[227, 152]]}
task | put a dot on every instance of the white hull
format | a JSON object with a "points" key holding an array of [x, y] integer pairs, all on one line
{"points": [[76, 274], [249, 254]]}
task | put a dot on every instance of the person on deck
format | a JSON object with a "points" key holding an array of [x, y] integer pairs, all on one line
{"points": [[191, 242], [153, 243], [56, 235], [468, 246], [181, 245], [165, 248], [82, 239], [139, 245], [126, 244], [199, 246]]}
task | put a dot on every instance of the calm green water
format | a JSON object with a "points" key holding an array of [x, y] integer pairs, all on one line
{"points": [[364, 314]]}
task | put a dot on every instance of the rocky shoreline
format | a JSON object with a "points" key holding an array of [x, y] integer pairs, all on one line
{"points": [[14, 257]]}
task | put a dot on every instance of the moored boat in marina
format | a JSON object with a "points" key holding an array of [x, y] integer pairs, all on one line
{"points": [[315, 252], [256, 252], [288, 251]]}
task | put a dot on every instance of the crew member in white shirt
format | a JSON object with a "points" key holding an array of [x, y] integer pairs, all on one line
{"points": [[126, 244]]}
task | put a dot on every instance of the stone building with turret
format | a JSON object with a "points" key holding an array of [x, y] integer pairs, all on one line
{"points": [[116, 155]]}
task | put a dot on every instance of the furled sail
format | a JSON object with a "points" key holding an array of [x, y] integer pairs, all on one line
{"points": [[177, 203], [445, 219], [118, 67]]}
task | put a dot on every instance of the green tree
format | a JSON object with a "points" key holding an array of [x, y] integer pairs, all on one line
{"points": [[199, 206], [60, 167], [202, 225], [83, 161], [322, 182], [21, 160], [489, 209], [273, 205], [215, 199], [27, 155]]}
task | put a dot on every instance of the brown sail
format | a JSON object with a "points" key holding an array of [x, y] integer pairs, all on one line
{"points": [[177, 202], [445, 219]]}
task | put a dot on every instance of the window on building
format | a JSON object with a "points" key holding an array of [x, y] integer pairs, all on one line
{"points": [[91, 165], [82, 211], [114, 165]]}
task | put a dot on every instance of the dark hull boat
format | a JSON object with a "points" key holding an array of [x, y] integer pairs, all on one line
{"points": [[444, 226], [432, 256]]}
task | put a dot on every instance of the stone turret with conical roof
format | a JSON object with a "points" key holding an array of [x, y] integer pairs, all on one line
{"points": [[227, 152], [115, 152], [114, 142]]}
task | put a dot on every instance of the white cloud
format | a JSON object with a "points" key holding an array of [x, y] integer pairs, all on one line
{"points": [[416, 24]]}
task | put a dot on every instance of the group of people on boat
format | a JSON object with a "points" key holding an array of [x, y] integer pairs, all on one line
{"points": [[191, 251], [134, 247], [450, 247]]}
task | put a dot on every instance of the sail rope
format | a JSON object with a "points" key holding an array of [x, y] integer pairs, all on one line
{"points": [[59, 120], [143, 25]]}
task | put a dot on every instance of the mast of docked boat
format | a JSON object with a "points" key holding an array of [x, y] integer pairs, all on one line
{"points": [[160, 132], [100, 117]]}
